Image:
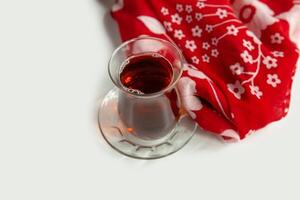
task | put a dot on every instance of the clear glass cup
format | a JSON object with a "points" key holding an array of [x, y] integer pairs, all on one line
{"points": [[141, 125]]}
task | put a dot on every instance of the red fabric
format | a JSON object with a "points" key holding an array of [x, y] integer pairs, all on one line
{"points": [[241, 56]]}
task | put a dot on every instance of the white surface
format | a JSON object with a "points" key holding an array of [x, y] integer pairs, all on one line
{"points": [[52, 75]]}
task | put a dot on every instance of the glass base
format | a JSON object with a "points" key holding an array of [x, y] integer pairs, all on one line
{"points": [[117, 136]]}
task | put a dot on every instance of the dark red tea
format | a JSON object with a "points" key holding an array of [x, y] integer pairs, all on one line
{"points": [[146, 74], [153, 117]]}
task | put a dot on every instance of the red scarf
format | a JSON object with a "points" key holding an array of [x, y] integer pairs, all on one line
{"points": [[241, 54]]}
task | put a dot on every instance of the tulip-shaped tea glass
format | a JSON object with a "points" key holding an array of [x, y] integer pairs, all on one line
{"points": [[142, 117]]}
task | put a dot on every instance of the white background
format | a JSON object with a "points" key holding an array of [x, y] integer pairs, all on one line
{"points": [[53, 60]]}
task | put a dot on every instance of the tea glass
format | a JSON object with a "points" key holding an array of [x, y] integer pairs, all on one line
{"points": [[145, 126]]}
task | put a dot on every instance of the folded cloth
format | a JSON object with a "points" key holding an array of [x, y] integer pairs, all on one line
{"points": [[241, 56]]}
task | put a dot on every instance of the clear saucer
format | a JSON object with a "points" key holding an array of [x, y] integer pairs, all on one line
{"points": [[117, 136]]}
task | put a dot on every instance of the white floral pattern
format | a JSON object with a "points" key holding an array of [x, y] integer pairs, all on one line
{"points": [[236, 89], [273, 80], [270, 62], [164, 11], [222, 13], [256, 91], [215, 53], [251, 53], [209, 28], [247, 58], [232, 30], [248, 45], [178, 34], [276, 38], [198, 16], [277, 53], [200, 4], [176, 19], [195, 60], [205, 45], [190, 44], [214, 41], [205, 58], [196, 31], [188, 8], [236, 69], [189, 18], [254, 71], [179, 7]]}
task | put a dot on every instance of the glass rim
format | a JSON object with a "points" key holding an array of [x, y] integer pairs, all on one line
{"points": [[154, 94]]}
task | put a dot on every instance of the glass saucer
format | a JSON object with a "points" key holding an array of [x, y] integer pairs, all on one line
{"points": [[119, 138]]}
